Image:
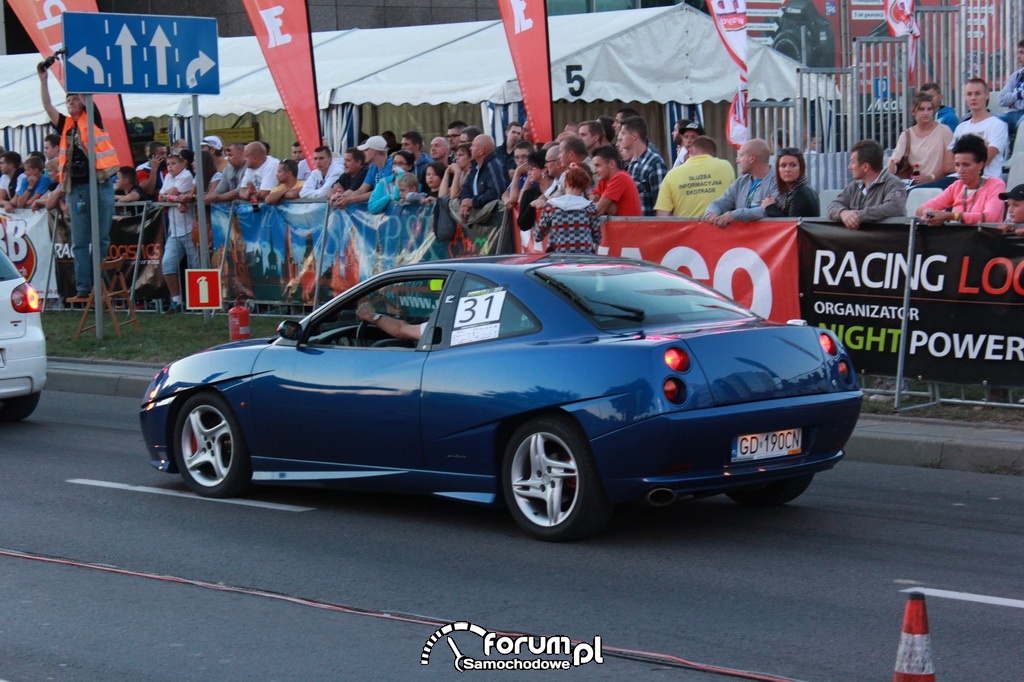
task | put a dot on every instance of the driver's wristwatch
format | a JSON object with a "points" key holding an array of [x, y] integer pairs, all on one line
{"points": [[378, 316]]}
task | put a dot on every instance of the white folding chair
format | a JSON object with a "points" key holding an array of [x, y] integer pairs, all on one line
{"points": [[920, 196], [826, 197]]}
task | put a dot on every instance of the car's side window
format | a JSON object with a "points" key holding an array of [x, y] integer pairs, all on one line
{"points": [[486, 311], [411, 301]]}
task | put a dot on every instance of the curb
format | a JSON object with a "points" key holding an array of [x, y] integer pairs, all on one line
{"points": [[118, 379], [878, 439], [938, 444]]}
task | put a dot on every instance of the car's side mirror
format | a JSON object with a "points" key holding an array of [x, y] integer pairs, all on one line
{"points": [[289, 329]]}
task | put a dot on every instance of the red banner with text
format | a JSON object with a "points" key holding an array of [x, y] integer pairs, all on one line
{"points": [[43, 23], [282, 27], [753, 263], [526, 27]]}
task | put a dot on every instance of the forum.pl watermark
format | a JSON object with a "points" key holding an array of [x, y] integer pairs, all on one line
{"points": [[559, 652]]}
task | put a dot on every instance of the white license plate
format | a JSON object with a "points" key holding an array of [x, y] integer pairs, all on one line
{"points": [[771, 444]]}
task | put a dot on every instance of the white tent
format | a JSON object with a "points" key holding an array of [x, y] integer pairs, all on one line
{"points": [[660, 54]]}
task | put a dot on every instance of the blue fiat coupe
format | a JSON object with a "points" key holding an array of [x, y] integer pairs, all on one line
{"points": [[557, 386]]}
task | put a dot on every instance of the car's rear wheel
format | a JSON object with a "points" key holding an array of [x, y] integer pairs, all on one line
{"points": [[551, 483], [772, 494], [16, 409], [209, 448]]}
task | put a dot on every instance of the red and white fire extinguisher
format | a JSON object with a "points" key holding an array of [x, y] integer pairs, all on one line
{"points": [[238, 321]]}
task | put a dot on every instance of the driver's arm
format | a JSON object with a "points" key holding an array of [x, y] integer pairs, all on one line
{"points": [[400, 329]]}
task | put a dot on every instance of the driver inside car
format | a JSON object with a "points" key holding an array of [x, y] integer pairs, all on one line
{"points": [[400, 329]]}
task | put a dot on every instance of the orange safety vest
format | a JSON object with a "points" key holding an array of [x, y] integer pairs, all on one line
{"points": [[106, 155]]}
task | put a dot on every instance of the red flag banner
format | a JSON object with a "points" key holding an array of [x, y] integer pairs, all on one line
{"points": [[899, 15], [282, 27], [43, 23], [526, 27], [731, 23]]}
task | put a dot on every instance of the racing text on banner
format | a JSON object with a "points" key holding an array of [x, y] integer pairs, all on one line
{"points": [[966, 301]]}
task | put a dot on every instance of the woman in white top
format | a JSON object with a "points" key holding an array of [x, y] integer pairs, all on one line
{"points": [[929, 143]]}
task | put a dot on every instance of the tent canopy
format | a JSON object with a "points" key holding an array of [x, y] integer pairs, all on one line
{"points": [[659, 54]]}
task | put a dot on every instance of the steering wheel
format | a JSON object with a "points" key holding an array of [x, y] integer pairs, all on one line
{"points": [[361, 333]]}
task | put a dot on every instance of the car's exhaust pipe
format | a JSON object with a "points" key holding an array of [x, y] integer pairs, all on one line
{"points": [[661, 497]]}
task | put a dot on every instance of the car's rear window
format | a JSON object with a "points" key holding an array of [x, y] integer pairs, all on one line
{"points": [[621, 295], [7, 269]]}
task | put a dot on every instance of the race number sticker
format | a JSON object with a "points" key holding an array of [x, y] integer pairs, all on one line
{"points": [[478, 316]]}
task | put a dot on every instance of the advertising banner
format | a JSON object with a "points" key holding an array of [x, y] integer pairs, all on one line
{"points": [[282, 28], [39, 245], [526, 28], [279, 253], [43, 23], [967, 299], [899, 16], [730, 18], [752, 263], [25, 238]]}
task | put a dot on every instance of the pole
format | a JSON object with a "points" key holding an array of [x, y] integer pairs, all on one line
{"points": [[94, 219], [204, 242]]}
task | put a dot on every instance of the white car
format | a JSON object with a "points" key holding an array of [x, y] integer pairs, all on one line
{"points": [[22, 345]]}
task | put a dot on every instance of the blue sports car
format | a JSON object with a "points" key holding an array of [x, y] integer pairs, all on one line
{"points": [[559, 386]]}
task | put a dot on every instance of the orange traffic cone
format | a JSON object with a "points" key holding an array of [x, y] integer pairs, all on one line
{"points": [[914, 658]]}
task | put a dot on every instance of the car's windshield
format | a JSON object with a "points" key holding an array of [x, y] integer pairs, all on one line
{"points": [[7, 269], [621, 295]]}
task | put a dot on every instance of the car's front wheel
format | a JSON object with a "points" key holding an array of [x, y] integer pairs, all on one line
{"points": [[16, 409], [209, 448], [551, 483], [772, 494]]}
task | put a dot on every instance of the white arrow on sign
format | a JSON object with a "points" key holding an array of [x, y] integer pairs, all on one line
{"points": [[126, 41], [84, 61], [200, 65], [160, 43]]}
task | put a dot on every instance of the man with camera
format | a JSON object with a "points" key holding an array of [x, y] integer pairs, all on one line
{"points": [[73, 162]]}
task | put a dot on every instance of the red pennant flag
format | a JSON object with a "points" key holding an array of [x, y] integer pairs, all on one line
{"points": [[282, 27], [730, 18], [899, 16], [526, 27], [42, 22]]}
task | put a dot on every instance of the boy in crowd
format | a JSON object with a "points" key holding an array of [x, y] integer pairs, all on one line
{"points": [[126, 190], [32, 184], [177, 185], [1014, 211]]}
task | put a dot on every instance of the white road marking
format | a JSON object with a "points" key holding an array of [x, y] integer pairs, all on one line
{"points": [[967, 596], [191, 496]]}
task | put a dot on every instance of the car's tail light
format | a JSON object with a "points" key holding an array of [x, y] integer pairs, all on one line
{"points": [[675, 390], [828, 344], [25, 299], [844, 370], [677, 360]]}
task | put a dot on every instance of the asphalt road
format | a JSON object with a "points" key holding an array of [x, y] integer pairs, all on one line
{"points": [[811, 591]]}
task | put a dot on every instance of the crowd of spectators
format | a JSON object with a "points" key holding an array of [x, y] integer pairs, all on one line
{"points": [[625, 173]]}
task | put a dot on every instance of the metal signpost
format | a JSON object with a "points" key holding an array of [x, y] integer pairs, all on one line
{"points": [[141, 54]]}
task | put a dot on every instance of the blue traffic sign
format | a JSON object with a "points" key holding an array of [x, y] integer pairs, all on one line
{"points": [[141, 53]]}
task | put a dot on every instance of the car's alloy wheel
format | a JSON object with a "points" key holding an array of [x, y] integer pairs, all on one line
{"points": [[551, 484], [16, 409], [772, 494], [209, 447]]}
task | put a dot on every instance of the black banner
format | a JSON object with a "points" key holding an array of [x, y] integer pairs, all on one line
{"points": [[124, 243], [965, 321]]}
